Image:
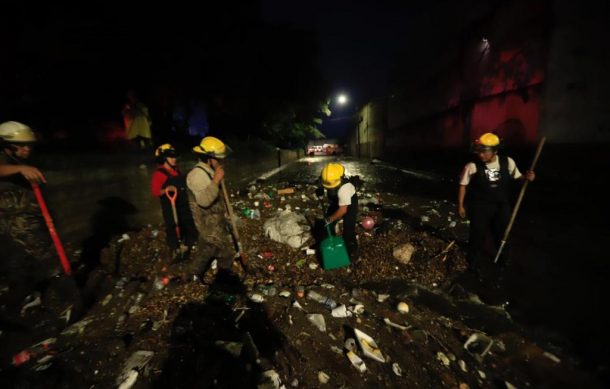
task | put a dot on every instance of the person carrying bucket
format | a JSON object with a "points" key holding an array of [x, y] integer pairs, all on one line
{"points": [[343, 200], [484, 197], [169, 185]]}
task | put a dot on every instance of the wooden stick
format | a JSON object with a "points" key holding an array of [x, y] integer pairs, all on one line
{"points": [[519, 200]]}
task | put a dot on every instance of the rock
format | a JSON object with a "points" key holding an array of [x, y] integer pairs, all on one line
{"points": [[323, 377], [403, 253], [403, 307]]}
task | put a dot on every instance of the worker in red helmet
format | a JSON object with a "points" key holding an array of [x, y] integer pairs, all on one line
{"points": [[168, 178]]}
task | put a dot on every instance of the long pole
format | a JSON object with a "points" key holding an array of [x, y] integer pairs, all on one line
{"points": [[519, 200]]}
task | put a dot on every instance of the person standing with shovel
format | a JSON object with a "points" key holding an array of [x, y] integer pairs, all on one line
{"points": [[484, 198], [205, 185], [169, 185]]}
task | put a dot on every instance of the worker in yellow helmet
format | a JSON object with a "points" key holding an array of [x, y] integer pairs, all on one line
{"points": [[343, 197], [208, 207], [484, 197]]}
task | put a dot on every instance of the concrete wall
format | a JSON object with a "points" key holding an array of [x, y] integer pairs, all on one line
{"points": [[576, 101]]}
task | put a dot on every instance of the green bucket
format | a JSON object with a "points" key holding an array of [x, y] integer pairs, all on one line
{"points": [[333, 251]]}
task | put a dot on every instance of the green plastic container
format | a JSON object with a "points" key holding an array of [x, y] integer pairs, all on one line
{"points": [[333, 251]]}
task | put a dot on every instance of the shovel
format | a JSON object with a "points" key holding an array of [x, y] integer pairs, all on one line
{"points": [[172, 195], [519, 199], [242, 256], [56, 241]]}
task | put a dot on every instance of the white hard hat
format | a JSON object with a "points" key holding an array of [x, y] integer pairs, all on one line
{"points": [[15, 132]]}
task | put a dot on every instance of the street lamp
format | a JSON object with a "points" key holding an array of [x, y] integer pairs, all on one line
{"points": [[342, 99]]}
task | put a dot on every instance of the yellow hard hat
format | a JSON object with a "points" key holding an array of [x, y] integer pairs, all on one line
{"points": [[332, 174], [15, 132], [165, 150], [488, 141], [212, 147]]}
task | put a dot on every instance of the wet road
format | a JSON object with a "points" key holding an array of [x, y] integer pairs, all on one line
{"points": [[557, 275]]}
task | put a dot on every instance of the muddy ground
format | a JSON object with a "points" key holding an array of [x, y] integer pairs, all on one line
{"points": [[207, 331]]}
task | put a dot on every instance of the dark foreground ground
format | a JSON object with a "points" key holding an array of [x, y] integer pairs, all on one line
{"points": [[550, 335]]}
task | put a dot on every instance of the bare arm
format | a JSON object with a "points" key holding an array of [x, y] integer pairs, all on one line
{"points": [[30, 173], [339, 213], [461, 197]]}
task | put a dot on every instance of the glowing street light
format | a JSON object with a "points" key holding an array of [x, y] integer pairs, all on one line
{"points": [[342, 99]]}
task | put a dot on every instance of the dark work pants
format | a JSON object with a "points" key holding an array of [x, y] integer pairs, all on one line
{"points": [[188, 230], [486, 218], [349, 236]]}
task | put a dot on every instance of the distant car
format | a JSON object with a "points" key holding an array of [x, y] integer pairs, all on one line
{"points": [[315, 150]]}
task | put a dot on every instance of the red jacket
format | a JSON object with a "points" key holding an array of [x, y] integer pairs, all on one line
{"points": [[159, 178]]}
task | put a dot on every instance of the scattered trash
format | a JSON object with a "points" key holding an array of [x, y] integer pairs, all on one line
{"points": [[479, 344], [285, 191], [356, 361], [551, 357], [138, 363], [391, 324], [341, 311], [509, 385], [358, 309], [214, 264], [310, 252], [327, 286], [130, 379], [270, 380], [396, 369], [256, 298], [289, 228], [336, 349], [66, 314], [313, 266], [233, 348], [106, 300], [21, 358], [300, 262], [154, 233], [443, 358], [463, 366], [285, 294], [77, 328], [452, 224], [300, 291], [297, 306], [403, 307], [327, 301], [425, 219], [403, 253], [368, 346], [323, 377], [350, 344], [123, 238], [368, 223], [382, 297], [31, 304], [267, 290], [317, 320], [294, 383]]}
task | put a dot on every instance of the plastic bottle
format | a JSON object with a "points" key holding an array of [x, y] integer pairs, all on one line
{"points": [[327, 301]]}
